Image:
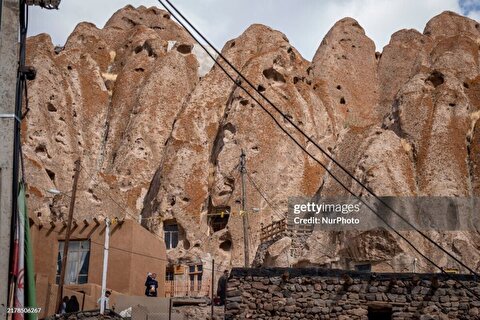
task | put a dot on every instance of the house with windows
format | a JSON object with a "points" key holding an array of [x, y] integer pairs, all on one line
{"points": [[134, 252], [183, 278]]}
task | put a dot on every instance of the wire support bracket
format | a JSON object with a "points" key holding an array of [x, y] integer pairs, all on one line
{"points": [[10, 116]]}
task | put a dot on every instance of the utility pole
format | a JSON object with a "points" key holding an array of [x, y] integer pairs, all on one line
{"points": [[246, 246], [9, 33], [67, 236], [105, 265], [213, 283]]}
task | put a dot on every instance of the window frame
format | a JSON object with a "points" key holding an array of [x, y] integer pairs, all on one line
{"points": [[75, 249], [195, 277], [169, 236]]}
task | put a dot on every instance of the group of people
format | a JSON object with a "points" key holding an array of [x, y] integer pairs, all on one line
{"points": [[151, 285], [151, 290], [71, 304]]}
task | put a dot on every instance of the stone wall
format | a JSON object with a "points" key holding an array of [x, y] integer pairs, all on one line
{"points": [[312, 293], [86, 315]]}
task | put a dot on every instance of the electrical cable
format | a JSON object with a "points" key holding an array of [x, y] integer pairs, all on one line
{"points": [[238, 83], [136, 253], [304, 134], [140, 254], [297, 127], [255, 186], [17, 155]]}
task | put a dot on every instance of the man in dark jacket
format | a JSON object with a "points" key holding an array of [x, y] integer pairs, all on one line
{"points": [[147, 284], [152, 285], [222, 287]]}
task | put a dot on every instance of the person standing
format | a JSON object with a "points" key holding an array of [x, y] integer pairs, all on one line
{"points": [[153, 286], [147, 284], [72, 305], [63, 306], [222, 287], [106, 302]]}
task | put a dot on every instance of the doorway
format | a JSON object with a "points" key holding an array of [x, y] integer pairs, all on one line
{"points": [[380, 313]]}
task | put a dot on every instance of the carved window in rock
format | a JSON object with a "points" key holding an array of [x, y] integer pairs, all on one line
{"points": [[365, 267], [171, 235], [218, 218]]}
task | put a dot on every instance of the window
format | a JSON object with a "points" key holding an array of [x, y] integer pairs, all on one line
{"points": [[169, 273], [363, 267], [195, 273], [171, 235], [77, 261]]}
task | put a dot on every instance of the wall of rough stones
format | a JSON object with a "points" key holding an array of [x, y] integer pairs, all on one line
{"points": [[286, 293], [86, 315]]}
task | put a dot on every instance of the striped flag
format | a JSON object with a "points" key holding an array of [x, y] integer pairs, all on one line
{"points": [[29, 274], [22, 262], [19, 260]]}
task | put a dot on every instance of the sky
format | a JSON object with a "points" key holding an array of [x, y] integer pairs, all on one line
{"points": [[304, 22]]}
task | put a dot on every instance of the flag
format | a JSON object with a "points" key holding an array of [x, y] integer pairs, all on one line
{"points": [[22, 265], [19, 259], [29, 283]]}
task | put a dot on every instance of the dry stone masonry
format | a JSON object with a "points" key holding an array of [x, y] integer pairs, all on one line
{"points": [[312, 293]]}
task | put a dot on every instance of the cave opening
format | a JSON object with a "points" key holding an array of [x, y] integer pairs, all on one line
{"points": [[226, 245], [218, 218]]}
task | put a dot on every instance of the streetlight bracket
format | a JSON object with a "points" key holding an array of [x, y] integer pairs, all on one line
{"points": [[46, 4]]}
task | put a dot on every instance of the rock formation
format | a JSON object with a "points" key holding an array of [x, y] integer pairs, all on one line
{"points": [[161, 142]]}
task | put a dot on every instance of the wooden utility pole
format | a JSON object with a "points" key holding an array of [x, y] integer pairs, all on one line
{"points": [[246, 246], [213, 283], [67, 236], [9, 35]]}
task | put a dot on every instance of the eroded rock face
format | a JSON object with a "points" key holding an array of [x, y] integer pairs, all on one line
{"points": [[161, 142], [425, 145], [345, 65], [218, 122], [109, 97]]}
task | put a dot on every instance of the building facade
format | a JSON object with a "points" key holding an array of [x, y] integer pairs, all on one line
{"points": [[133, 252]]}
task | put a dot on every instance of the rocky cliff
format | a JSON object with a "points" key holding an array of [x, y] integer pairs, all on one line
{"points": [[160, 141]]}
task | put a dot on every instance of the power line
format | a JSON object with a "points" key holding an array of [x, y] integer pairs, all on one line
{"points": [[285, 117], [107, 193], [262, 194], [136, 253], [149, 256], [238, 83], [297, 127]]}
